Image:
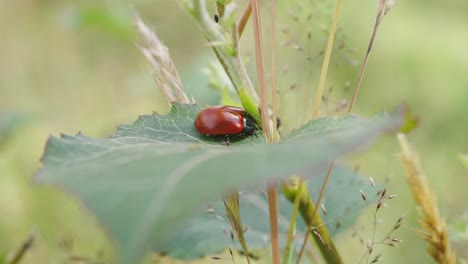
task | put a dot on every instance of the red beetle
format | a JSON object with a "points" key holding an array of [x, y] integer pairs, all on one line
{"points": [[228, 121]]}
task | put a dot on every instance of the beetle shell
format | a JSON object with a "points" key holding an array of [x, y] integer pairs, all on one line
{"points": [[220, 120]]}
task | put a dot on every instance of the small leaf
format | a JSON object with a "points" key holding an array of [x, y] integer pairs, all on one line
{"points": [[146, 179]]}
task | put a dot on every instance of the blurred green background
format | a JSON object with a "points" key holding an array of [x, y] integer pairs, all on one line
{"points": [[69, 66]]}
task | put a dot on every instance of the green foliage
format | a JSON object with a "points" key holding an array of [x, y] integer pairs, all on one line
{"points": [[146, 179]]}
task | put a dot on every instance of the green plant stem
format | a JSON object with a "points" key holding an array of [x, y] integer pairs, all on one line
{"points": [[227, 53], [288, 251], [307, 208]]}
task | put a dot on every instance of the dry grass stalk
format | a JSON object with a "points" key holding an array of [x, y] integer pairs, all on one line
{"points": [[166, 75], [244, 19], [383, 8], [272, 188], [435, 230], [231, 203]]}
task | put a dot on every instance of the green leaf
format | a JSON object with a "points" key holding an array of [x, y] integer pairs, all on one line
{"points": [[208, 232], [145, 180], [176, 127]]}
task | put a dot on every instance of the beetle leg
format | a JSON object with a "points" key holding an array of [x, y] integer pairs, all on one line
{"points": [[225, 141]]}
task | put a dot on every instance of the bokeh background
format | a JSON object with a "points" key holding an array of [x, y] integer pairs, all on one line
{"points": [[69, 66]]}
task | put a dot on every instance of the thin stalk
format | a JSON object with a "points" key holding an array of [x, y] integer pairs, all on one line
{"points": [[273, 70], [288, 251], [326, 60], [366, 57], [244, 18], [318, 99], [272, 188], [232, 206], [16, 256], [260, 69]]}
